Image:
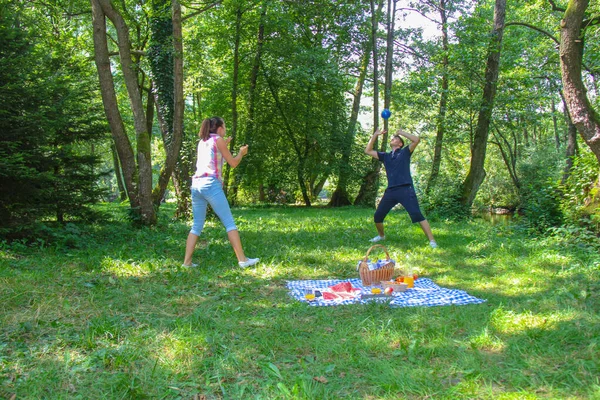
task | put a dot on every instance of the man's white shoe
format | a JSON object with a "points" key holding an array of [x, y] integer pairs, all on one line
{"points": [[248, 262], [433, 244], [377, 239]]}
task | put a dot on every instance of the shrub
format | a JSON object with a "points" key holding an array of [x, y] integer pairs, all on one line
{"points": [[443, 201], [539, 192], [580, 201]]}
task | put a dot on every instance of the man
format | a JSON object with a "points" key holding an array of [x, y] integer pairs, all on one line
{"points": [[400, 189]]}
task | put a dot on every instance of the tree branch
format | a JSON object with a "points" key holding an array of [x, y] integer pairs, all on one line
{"points": [[555, 7], [535, 28], [590, 22], [133, 51], [201, 10], [420, 13]]}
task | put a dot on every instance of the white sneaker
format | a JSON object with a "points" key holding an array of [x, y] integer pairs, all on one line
{"points": [[377, 239], [248, 262], [433, 244], [189, 266]]}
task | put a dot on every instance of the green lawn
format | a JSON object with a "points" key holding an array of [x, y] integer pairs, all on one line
{"points": [[110, 314]]}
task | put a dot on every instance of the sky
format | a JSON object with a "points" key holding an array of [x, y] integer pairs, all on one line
{"points": [[411, 20]]}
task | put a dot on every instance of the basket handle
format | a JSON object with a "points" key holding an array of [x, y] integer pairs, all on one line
{"points": [[372, 247]]}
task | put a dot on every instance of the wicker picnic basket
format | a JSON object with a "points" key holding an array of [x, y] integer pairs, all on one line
{"points": [[370, 277]]}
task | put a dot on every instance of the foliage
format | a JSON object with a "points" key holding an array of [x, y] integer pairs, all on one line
{"points": [[160, 58], [581, 235], [309, 62], [51, 119], [121, 319], [581, 199], [300, 108], [443, 201], [540, 195], [497, 190], [523, 112]]}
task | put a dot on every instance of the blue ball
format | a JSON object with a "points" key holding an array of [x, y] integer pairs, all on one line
{"points": [[385, 114]]}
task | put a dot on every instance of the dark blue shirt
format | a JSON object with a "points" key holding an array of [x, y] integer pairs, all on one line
{"points": [[397, 166]]}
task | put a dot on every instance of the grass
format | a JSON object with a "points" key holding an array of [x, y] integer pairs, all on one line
{"points": [[109, 313]]}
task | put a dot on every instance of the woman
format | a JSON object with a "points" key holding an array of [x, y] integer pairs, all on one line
{"points": [[207, 188]]}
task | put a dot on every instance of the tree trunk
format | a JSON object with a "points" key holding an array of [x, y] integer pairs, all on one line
{"points": [[147, 214], [374, 23], [166, 62], [249, 129], [302, 183], [111, 109], [582, 114], [287, 129], [367, 193], [476, 173], [185, 167], [441, 119], [340, 196], [389, 58], [555, 126], [150, 111], [234, 95], [173, 135], [118, 174], [571, 145], [303, 174], [318, 186], [509, 155]]}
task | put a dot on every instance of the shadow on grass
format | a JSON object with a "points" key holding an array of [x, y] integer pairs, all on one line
{"points": [[122, 319]]}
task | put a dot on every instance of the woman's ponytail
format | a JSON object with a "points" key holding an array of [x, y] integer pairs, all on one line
{"points": [[210, 125]]}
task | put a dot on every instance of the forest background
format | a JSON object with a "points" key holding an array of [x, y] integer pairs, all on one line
{"points": [[102, 101], [100, 105]]}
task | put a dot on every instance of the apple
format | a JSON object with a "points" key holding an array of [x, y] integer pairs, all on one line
{"points": [[388, 291]]}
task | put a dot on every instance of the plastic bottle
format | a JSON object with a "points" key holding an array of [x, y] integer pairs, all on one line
{"points": [[408, 277]]}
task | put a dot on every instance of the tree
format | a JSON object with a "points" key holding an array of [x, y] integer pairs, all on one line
{"points": [[370, 181], [443, 103], [166, 61], [165, 56], [476, 172], [572, 40], [137, 168], [49, 121], [340, 196], [356, 68], [252, 99], [299, 105], [239, 12], [571, 149], [582, 114]]}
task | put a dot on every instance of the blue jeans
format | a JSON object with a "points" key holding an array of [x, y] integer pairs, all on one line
{"points": [[206, 191]]}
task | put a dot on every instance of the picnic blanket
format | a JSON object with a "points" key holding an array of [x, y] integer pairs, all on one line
{"points": [[425, 293]]}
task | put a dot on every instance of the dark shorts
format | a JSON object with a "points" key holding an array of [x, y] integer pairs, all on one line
{"points": [[404, 195]]}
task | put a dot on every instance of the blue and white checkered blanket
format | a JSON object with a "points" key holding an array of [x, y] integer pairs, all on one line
{"points": [[425, 293]]}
